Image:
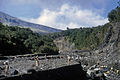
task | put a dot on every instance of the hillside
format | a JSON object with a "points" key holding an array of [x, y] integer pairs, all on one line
{"points": [[95, 37], [84, 38], [98, 46], [13, 21], [15, 40]]}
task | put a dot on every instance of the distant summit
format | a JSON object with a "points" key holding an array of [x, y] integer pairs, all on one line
{"points": [[13, 21]]}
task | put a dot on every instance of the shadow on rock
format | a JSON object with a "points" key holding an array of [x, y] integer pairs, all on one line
{"points": [[73, 72]]}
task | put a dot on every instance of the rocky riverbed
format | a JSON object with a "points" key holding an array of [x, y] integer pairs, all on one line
{"points": [[24, 65], [20, 65]]}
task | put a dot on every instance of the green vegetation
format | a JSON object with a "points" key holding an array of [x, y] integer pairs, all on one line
{"points": [[15, 40], [114, 15], [84, 38], [90, 38], [87, 38]]}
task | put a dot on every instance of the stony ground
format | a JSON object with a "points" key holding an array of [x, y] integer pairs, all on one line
{"points": [[24, 65], [21, 65]]}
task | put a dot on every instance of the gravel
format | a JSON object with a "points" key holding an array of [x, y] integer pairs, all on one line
{"points": [[24, 64]]}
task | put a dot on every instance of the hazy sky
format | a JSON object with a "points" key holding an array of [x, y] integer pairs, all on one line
{"points": [[60, 13]]}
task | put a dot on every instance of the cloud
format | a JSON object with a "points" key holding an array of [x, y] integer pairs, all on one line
{"points": [[69, 16]]}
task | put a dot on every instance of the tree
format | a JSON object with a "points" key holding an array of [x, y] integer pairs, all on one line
{"points": [[118, 3], [114, 15], [15, 40]]}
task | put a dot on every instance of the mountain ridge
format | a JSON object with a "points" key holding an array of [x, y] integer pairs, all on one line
{"points": [[13, 21]]}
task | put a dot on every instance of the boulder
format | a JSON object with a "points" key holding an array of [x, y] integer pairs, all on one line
{"points": [[15, 72]]}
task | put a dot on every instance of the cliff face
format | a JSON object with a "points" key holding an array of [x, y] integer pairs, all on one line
{"points": [[111, 38], [109, 50], [63, 44]]}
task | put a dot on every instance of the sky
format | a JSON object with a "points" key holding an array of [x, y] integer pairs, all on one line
{"points": [[60, 14]]}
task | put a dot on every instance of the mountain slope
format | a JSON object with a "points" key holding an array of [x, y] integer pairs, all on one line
{"points": [[84, 38], [12, 21], [18, 41]]}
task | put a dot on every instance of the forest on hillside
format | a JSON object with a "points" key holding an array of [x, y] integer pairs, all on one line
{"points": [[89, 38], [16, 40], [84, 38]]}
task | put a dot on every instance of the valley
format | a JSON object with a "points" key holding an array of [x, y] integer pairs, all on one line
{"points": [[30, 51]]}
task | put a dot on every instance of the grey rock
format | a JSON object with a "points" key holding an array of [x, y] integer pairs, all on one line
{"points": [[15, 72]]}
